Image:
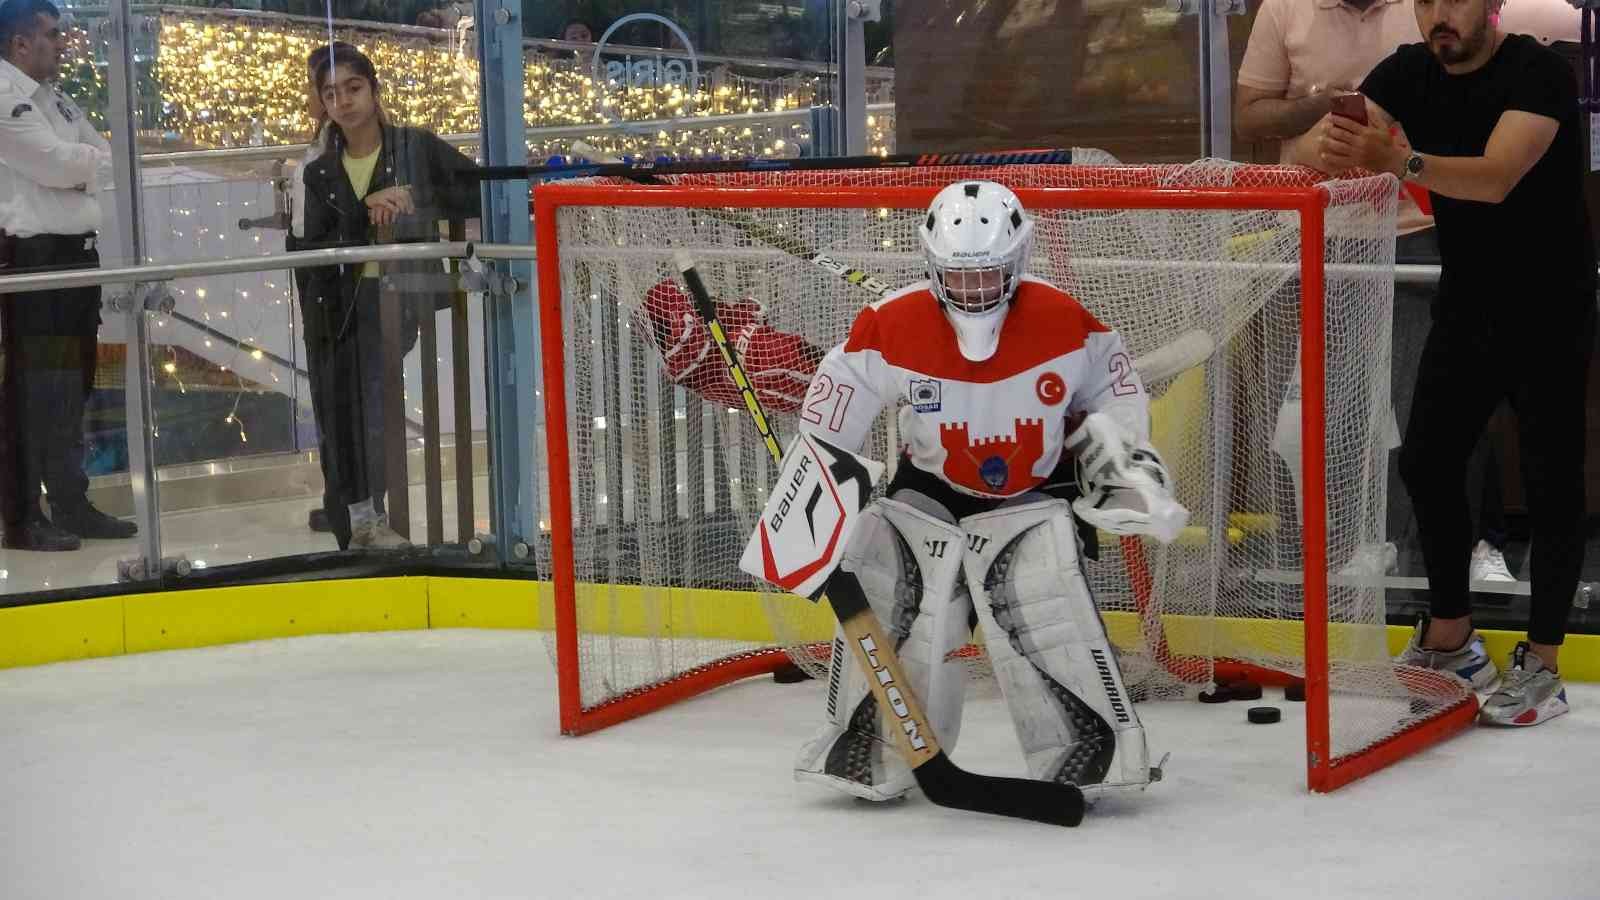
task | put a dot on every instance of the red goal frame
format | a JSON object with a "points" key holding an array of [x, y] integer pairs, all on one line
{"points": [[1308, 202]]}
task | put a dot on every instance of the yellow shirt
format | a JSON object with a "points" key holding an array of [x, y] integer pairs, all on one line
{"points": [[360, 169]]}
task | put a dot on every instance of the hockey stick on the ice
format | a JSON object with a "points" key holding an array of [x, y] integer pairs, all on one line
{"points": [[941, 780]]}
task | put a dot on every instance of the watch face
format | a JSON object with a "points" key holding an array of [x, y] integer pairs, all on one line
{"points": [[1414, 164]]}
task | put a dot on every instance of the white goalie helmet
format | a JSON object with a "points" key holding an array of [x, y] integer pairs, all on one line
{"points": [[977, 238]]}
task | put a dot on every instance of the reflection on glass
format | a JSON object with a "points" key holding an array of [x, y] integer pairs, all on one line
{"points": [[241, 378], [1118, 75]]}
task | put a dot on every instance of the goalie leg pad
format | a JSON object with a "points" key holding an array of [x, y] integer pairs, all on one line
{"points": [[909, 566], [1055, 665]]}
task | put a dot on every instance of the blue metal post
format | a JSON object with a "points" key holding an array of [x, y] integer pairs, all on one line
{"points": [[512, 341]]}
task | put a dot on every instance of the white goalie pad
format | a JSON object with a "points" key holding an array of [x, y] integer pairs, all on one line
{"points": [[1055, 665], [909, 567]]}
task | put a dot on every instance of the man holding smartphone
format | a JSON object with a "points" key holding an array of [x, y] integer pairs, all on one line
{"points": [[1489, 124]]}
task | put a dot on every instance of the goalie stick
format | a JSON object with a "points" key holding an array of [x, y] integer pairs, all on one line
{"points": [[606, 165], [941, 780]]}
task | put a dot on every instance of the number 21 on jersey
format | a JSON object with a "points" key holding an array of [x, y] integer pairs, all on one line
{"points": [[826, 403]]}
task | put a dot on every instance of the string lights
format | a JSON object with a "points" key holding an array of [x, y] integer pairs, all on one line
{"points": [[234, 80], [240, 81]]}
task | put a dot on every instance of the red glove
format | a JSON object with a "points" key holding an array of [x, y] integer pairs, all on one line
{"points": [[779, 365]]}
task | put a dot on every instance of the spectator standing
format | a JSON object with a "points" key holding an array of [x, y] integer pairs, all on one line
{"points": [[1301, 54], [316, 343], [52, 164], [1489, 123], [375, 181]]}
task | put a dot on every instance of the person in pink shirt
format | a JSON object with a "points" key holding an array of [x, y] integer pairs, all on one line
{"points": [[1301, 54]]}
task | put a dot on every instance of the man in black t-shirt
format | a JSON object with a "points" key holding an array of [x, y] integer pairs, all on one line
{"points": [[1489, 124]]}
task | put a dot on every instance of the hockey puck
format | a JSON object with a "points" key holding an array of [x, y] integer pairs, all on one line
{"points": [[1295, 692], [1218, 695], [789, 673], [1264, 715]]}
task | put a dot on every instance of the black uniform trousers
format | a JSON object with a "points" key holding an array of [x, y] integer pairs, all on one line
{"points": [[1472, 360], [49, 339]]}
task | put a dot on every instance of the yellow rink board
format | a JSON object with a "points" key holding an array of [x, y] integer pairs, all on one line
{"points": [[170, 620]]}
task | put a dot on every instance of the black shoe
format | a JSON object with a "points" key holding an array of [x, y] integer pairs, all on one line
{"points": [[87, 522], [39, 535], [318, 521]]}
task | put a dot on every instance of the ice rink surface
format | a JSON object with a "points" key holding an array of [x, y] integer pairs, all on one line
{"points": [[428, 765]]}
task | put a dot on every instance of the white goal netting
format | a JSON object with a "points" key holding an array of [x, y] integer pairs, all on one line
{"points": [[667, 474]]}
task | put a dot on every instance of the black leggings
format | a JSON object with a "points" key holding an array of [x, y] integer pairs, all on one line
{"points": [[1468, 366]]}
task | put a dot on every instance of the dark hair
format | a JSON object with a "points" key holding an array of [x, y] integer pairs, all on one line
{"points": [[562, 34], [314, 59], [354, 59], [17, 17], [358, 63]]}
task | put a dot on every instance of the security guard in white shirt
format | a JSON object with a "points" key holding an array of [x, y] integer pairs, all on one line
{"points": [[52, 163]]}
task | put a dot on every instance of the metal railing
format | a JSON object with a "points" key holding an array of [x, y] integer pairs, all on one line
{"points": [[154, 273], [147, 291]]}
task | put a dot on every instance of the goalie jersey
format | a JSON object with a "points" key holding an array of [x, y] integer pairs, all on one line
{"points": [[988, 429]]}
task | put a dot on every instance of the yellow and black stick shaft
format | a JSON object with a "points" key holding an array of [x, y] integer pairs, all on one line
{"points": [[941, 780]]}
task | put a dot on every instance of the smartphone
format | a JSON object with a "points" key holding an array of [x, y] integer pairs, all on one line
{"points": [[1351, 106]]}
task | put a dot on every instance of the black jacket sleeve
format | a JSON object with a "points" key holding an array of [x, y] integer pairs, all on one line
{"points": [[448, 190]]}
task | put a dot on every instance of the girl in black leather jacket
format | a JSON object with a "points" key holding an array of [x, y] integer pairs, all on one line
{"points": [[376, 183]]}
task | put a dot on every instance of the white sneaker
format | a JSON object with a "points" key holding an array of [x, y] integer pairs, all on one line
{"points": [[1371, 561], [1529, 693], [1470, 662], [1489, 564], [375, 534]]}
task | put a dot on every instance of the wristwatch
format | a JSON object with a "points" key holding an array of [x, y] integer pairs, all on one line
{"points": [[1413, 166]]}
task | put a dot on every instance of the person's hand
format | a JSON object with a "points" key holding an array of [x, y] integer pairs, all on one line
{"points": [[1323, 94], [1344, 144], [386, 206]]}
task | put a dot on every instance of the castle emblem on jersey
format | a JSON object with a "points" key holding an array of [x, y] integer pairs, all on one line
{"points": [[987, 464], [925, 395], [1050, 388]]}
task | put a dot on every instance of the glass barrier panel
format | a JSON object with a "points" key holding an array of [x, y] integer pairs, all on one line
{"points": [[295, 413], [717, 79], [64, 488], [1117, 75]]}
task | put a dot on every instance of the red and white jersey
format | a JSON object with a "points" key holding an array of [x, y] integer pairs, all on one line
{"points": [[994, 428]]}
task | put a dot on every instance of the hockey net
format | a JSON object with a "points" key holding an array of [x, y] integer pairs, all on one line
{"points": [[656, 474]]}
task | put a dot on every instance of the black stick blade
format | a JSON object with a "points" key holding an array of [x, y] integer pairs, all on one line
{"points": [[1019, 798]]}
